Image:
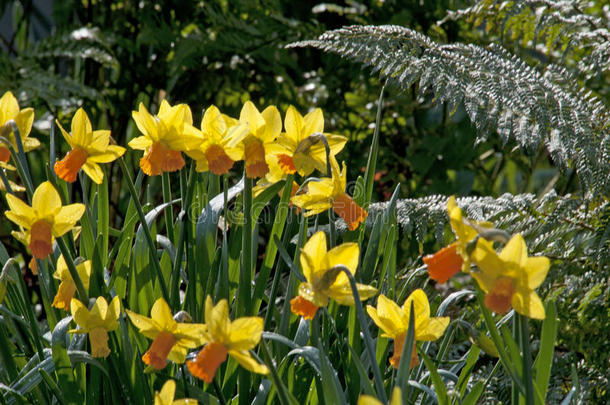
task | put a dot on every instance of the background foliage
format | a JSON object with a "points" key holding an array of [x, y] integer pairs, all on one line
{"points": [[108, 56]]}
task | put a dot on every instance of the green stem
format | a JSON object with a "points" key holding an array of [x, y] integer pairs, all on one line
{"points": [[167, 198], [147, 235], [374, 151], [368, 340], [527, 359], [102, 216], [498, 342], [175, 281], [271, 251], [80, 287], [245, 274]]}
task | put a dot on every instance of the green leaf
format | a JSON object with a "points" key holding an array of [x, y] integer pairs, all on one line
{"points": [[544, 360], [439, 385]]}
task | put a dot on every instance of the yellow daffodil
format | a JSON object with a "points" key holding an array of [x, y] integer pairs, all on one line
{"points": [[9, 110], [369, 400], [301, 148], [171, 339], [448, 261], [45, 220], [221, 138], [67, 288], [97, 322], [330, 193], [167, 393], [165, 136], [88, 148], [324, 279], [509, 279], [223, 336], [394, 322], [259, 143]]}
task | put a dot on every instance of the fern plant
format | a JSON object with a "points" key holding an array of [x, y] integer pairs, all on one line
{"points": [[498, 90], [554, 105]]}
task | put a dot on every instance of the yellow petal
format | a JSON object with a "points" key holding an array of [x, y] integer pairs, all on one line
{"points": [[313, 252], [20, 213], [162, 315], [9, 107], [368, 400], [94, 171], [396, 396], [46, 201], [30, 143], [219, 322], [421, 307], [389, 317], [66, 218], [81, 127], [313, 122], [147, 326], [528, 303], [536, 269], [166, 395], [80, 313], [145, 123], [213, 123], [246, 361], [293, 122], [252, 117], [112, 153], [487, 259], [515, 251], [24, 121], [245, 333], [98, 141], [346, 254], [434, 329], [112, 314], [177, 354], [140, 143], [273, 123], [190, 335]]}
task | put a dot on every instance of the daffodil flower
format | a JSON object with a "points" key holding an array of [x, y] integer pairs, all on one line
{"points": [[223, 336], [301, 149], [221, 138], [369, 400], [394, 322], [88, 148], [67, 288], [45, 220], [324, 279], [165, 136], [330, 193], [171, 339], [9, 110], [509, 279], [167, 393], [97, 322], [258, 144], [445, 263]]}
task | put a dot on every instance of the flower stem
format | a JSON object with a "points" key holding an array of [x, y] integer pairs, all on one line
{"points": [[245, 274], [527, 359], [147, 235], [167, 198]]}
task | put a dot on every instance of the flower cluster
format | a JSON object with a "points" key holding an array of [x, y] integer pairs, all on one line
{"points": [[271, 151], [508, 279]]}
